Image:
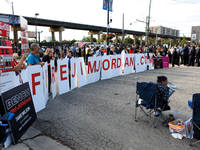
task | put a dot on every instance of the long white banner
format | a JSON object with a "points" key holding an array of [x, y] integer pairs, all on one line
{"points": [[69, 72]]}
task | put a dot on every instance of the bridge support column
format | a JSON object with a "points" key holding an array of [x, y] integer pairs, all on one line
{"points": [[162, 41], [116, 36], [91, 33], [141, 40], [135, 37], [17, 28], [56, 29]]}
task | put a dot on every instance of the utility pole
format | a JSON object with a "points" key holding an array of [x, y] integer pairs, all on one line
{"points": [[148, 22], [108, 21], [123, 29]]}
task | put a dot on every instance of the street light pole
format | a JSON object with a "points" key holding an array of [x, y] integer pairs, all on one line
{"points": [[36, 14], [13, 17], [108, 21]]}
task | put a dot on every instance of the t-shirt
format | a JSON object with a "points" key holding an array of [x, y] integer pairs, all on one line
{"points": [[32, 59]]}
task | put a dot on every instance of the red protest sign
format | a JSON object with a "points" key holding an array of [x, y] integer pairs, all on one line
{"points": [[6, 55], [24, 43], [4, 29]]}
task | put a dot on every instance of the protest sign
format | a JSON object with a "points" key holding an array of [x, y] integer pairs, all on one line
{"points": [[73, 73], [165, 61], [63, 76], [105, 72], [4, 29], [24, 43], [46, 81], [140, 63], [6, 55], [116, 63], [81, 72], [19, 101], [158, 63], [128, 63], [53, 79]]}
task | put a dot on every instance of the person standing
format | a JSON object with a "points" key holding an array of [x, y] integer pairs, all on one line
{"points": [[174, 56], [33, 58], [191, 56], [185, 54], [46, 58], [198, 56]]}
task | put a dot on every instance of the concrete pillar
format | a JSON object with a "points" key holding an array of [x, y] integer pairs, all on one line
{"points": [[60, 36], [91, 38], [56, 29], [162, 41], [116, 38], [134, 39], [53, 37], [170, 40], [140, 40], [99, 38]]}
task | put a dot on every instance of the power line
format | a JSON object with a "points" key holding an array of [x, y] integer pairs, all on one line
{"points": [[185, 2]]}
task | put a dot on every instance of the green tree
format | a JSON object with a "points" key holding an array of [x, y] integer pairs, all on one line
{"points": [[158, 42], [44, 41], [183, 41], [167, 42], [65, 41], [86, 39], [119, 40], [94, 40], [73, 41], [102, 39], [152, 41], [128, 40]]}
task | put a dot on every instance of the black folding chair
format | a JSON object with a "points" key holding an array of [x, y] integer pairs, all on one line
{"points": [[146, 98], [195, 118]]}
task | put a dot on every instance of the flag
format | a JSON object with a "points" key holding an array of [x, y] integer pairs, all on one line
{"points": [[80, 44], [105, 2]]}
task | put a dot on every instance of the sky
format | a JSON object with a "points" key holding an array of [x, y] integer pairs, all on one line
{"points": [[176, 14]]}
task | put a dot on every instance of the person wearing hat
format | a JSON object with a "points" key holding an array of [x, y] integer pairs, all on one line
{"points": [[100, 52]]}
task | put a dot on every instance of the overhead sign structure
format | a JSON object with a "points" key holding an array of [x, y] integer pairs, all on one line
{"points": [[105, 5], [19, 101], [4, 29], [24, 43], [31, 34], [6, 55]]}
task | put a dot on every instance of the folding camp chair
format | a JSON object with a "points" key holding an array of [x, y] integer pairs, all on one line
{"points": [[195, 117], [4, 131], [146, 98]]}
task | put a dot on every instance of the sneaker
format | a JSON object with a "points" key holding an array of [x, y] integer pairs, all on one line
{"points": [[157, 113], [50, 95]]}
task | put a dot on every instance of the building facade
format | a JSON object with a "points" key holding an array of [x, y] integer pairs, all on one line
{"points": [[195, 35], [164, 30]]}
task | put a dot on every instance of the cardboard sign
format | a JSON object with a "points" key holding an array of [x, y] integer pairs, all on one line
{"points": [[116, 63], [53, 79], [158, 63], [151, 62], [6, 81], [81, 72], [94, 67], [140, 63], [128, 63], [63, 76], [4, 29], [36, 85], [165, 62], [19, 101], [23, 23], [24, 43], [46, 81], [106, 67], [6, 55], [73, 73]]}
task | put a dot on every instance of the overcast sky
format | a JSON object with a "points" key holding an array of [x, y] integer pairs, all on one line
{"points": [[176, 14]]}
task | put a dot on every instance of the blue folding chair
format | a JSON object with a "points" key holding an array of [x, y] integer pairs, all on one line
{"points": [[4, 133], [146, 98], [195, 116]]}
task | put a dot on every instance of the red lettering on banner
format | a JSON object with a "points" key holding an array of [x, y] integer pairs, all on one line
{"points": [[131, 61], [141, 60], [126, 62], [145, 59], [113, 63], [81, 68], [62, 72], [34, 84], [90, 68], [97, 70], [106, 60], [46, 77], [73, 75], [119, 64], [53, 74], [150, 59]]}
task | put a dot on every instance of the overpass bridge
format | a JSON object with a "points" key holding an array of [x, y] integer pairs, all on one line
{"points": [[59, 26]]}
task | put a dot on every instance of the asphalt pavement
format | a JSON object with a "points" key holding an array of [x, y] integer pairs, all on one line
{"points": [[100, 116]]}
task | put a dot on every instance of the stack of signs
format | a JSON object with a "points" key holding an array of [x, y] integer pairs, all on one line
{"points": [[24, 43], [19, 101], [6, 58]]}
